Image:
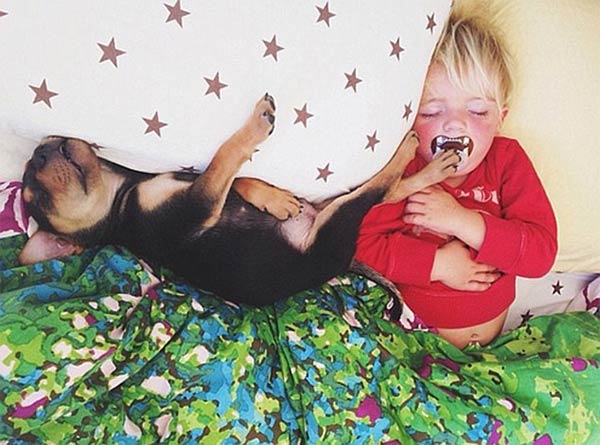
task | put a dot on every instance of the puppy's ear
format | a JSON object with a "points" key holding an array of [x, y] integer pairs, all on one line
{"points": [[44, 245]]}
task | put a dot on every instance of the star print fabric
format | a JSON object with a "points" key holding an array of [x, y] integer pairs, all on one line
{"points": [[160, 85]]}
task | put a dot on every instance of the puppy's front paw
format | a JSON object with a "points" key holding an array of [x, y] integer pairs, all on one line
{"points": [[262, 122], [282, 204]]}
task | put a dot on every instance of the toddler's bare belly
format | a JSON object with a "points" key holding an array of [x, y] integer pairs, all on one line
{"points": [[481, 333]]}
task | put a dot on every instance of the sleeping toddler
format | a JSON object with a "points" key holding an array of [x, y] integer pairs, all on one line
{"points": [[454, 249]]}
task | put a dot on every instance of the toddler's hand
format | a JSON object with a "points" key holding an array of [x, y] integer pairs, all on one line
{"points": [[435, 209], [455, 268]]}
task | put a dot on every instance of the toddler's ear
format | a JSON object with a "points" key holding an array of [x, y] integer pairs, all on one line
{"points": [[43, 246]]}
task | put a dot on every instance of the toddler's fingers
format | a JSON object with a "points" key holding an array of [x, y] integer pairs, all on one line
{"points": [[414, 208], [413, 218], [487, 277], [478, 286]]}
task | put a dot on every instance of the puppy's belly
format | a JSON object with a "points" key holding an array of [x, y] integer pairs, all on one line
{"points": [[296, 230]]}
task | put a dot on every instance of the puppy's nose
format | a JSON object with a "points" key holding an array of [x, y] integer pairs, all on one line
{"points": [[40, 156]]}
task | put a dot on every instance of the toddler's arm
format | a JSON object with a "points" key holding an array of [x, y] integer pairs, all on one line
{"points": [[404, 259], [524, 240], [437, 210]]}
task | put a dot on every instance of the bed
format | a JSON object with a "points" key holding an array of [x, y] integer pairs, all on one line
{"points": [[100, 348]]}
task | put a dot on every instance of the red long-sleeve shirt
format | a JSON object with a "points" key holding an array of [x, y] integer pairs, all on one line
{"points": [[520, 239]]}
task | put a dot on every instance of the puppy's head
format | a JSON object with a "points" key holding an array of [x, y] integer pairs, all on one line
{"points": [[63, 187]]}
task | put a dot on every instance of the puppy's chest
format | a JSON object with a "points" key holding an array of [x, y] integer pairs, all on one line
{"points": [[156, 212], [156, 191]]}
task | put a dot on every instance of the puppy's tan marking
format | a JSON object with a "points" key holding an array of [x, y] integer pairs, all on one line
{"points": [[155, 191], [90, 209]]}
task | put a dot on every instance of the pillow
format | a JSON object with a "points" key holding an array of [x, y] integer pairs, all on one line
{"points": [[160, 85], [555, 112], [15, 151]]}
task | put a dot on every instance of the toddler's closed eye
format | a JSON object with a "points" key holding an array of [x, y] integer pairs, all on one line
{"points": [[429, 115], [479, 113]]}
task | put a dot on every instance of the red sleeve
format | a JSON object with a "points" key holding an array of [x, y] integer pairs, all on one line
{"points": [[524, 240], [398, 257]]}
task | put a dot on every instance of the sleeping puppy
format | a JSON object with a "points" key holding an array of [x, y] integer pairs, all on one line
{"points": [[202, 226]]}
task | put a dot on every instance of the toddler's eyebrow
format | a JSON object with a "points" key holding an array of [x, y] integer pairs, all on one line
{"points": [[429, 100], [480, 100]]}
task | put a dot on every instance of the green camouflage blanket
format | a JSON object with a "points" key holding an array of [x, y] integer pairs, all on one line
{"points": [[94, 350]]}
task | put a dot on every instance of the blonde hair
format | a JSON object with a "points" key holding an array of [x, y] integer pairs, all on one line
{"points": [[475, 58]]}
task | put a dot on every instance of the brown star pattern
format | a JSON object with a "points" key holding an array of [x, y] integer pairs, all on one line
{"points": [[526, 317], [215, 86], [176, 13], [431, 22], [324, 173], [557, 288], [154, 124], [373, 141], [110, 52], [272, 48], [325, 15], [396, 48], [352, 80], [407, 111], [43, 94], [302, 115]]}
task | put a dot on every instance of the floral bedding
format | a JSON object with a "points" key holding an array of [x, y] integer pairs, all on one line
{"points": [[96, 349]]}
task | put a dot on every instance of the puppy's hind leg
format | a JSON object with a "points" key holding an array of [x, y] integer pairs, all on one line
{"points": [[210, 189], [435, 171], [371, 192]]}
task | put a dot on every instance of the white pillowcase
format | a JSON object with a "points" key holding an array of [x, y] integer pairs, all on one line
{"points": [[556, 111], [102, 70]]}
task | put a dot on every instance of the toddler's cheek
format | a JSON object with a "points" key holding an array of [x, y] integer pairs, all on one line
{"points": [[426, 133]]}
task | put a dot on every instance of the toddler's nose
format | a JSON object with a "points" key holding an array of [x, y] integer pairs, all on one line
{"points": [[454, 123]]}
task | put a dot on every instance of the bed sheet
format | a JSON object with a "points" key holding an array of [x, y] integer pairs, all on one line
{"points": [[96, 349], [553, 293]]}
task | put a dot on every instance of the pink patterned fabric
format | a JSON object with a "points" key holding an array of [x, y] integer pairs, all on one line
{"points": [[13, 217]]}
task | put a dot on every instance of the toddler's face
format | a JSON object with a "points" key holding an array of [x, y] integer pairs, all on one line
{"points": [[458, 116]]}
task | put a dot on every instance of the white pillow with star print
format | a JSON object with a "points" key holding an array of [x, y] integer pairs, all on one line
{"points": [[160, 85]]}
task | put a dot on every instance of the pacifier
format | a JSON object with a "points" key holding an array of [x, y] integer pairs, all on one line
{"points": [[462, 146]]}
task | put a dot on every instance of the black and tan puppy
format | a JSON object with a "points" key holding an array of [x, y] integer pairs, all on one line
{"points": [[200, 226]]}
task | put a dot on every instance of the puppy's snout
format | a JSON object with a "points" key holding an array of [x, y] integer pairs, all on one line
{"points": [[40, 156]]}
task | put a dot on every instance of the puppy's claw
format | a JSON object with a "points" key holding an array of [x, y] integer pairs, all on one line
{"points": [[271, 101]]}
